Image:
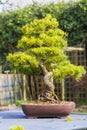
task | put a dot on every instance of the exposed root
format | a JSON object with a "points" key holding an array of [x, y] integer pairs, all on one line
{"points": [[47, 98]]}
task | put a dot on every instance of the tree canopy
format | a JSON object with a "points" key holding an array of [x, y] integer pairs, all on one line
{"points": [[43, 42], [71, 18]]}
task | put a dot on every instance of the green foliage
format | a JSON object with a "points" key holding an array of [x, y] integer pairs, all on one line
{"points": [[10, 29], [19, 102], [74, 21], [19, 127], [11, 23], [44, 42], [23, 62], [69, 69]]}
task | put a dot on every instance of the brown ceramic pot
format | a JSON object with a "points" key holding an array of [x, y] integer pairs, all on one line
{"points": [[47, 110]]}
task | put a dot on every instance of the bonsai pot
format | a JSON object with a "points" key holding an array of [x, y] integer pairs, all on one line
{"points": [[47, 110]]}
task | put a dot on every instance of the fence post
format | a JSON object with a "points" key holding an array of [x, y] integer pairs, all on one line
{"points": [[24, 88], [0, 69], [15, 87], [63, 90]]}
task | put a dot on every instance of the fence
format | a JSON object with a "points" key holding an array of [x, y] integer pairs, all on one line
{"points": [[76, 91], [11, 86], [8, 88]]}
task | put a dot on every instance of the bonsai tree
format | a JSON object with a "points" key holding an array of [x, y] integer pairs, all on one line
{"points": [[42, 51]]}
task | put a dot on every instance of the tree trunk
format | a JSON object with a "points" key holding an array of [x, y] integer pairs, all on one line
{"points": [[48, 94]]}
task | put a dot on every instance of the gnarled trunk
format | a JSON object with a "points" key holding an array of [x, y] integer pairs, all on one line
{"points": [[48, 94]]}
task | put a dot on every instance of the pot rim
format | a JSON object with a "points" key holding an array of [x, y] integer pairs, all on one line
{"points": [[50, 104]]}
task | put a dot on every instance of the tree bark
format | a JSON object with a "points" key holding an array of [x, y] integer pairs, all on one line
{"points": [[48, 94]]}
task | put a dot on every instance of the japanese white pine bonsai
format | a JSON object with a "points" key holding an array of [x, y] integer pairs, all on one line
{"points": [[42, 51]]}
